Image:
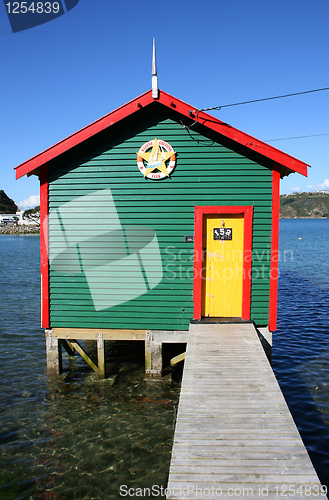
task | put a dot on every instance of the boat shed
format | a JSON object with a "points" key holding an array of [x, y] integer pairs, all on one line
{"points": [[155, 216]]}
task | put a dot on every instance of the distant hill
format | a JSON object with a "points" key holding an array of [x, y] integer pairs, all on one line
{"points": [[304, 205], [7, 206]]}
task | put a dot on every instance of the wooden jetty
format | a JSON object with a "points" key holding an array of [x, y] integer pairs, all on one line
{"points": [[235, 436]]}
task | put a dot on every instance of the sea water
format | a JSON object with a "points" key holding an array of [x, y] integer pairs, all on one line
{"points": [[301, 343], [78, 437], [83, 438]]}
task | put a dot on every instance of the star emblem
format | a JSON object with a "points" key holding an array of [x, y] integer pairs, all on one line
{"points": [[156, 159]]}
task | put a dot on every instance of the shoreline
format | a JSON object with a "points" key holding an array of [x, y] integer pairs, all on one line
{"points": [[19, 230], [304, 218], [22, 230]]}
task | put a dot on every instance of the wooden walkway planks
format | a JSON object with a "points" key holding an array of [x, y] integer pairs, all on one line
{"points": [[234, 435]]}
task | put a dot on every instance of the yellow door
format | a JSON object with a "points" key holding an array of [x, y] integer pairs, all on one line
{"points": [[222, 266]]}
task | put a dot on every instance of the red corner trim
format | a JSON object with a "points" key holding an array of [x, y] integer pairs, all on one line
{"points": [[274, 273], [44, 261], [247, 212], [190, 112]]}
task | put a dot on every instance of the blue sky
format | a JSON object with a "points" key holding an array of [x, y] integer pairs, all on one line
{"points": [[61, 76]]}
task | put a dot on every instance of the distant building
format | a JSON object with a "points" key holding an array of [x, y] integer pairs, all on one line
{"points": [[12, 218]]}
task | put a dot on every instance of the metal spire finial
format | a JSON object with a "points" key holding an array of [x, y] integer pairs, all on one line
{"points": [[155, 90]]}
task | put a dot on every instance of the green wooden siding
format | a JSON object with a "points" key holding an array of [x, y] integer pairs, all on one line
{"points": [[206, 174]]}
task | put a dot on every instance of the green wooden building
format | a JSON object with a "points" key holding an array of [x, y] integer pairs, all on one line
{"points": [[154, 216]]}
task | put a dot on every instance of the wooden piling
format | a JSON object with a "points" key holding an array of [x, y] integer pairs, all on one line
{"points": [[101, 356], [153, 356], [54, 354]]}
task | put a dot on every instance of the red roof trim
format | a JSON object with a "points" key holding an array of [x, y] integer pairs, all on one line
{"points": [[84, 134], [171, 102], [236, 135]]}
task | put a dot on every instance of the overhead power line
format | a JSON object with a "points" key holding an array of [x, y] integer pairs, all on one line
{"points": [[297, 137], [198, 111], [265, 99]]}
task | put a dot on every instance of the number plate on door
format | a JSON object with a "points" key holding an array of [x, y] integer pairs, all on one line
{"points": [[222, 233]]}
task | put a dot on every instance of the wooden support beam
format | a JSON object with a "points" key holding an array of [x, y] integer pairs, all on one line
{"points": [[101, 356], [75, 345], [92, 334], [174, 361], [69, 349]]}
